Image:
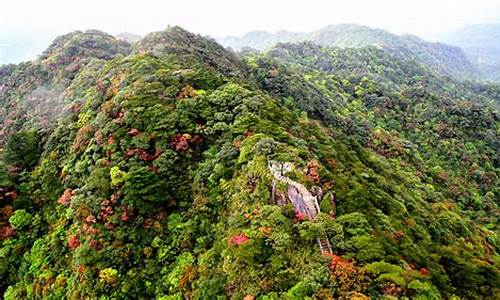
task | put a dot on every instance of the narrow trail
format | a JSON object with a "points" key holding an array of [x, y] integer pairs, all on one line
{"points": [[301, 199]]}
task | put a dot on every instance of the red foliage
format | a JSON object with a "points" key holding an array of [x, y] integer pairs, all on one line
{"points": [[6, 231], [95, 244], [148, 223], [130, 152], [312, 170], [73, 242], [300, 216], [106, 212], [143, 154], [126, 214], [154, 169], [12, 195], [239, 239], [65, 198], [424, 272], [180, 142]]}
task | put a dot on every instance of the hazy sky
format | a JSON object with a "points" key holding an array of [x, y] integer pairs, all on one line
{"points": [[28, 26]]}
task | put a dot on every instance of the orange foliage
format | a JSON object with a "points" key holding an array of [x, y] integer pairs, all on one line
{"points": [[188, 276], [312, 170], [398, 235], [7, 210], [82, 138], [111, 140], [347, 277], [99, 138], [338, 261], [133, 132], [186, 92], [265, 230], [90, 219], [237, 144]]}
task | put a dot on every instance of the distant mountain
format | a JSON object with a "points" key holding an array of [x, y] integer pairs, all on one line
{"points": [[128, 37], [260, 39], [445, 59], [481, 43], [478, 35]]}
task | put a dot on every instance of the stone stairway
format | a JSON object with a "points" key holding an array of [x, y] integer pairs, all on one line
{"points": [[324, 245], [301, 199]]}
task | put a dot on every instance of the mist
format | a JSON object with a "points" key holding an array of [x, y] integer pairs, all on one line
{"points": [[28, 26]]}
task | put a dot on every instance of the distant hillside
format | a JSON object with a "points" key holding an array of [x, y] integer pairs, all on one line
{"points": [[481, 43], [128, 37], [445, 59], [478, 35]]}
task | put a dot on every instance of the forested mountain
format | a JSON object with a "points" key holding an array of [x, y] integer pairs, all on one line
{"points": [[174, 168], [481, 43], [448, 60]]}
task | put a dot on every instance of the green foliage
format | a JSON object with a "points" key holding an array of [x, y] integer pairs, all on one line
{"points": [[20, 219], [22, 149], [156, 182], [117, 176]]}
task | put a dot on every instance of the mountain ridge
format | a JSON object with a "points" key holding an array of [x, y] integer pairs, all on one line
{"points": [[449, 60]]}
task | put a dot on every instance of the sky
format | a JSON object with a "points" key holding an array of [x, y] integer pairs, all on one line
{"points": [[28, 26]]}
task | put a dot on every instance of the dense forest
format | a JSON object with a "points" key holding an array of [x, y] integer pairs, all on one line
{"points": [[457, 59], [174, 168]]}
